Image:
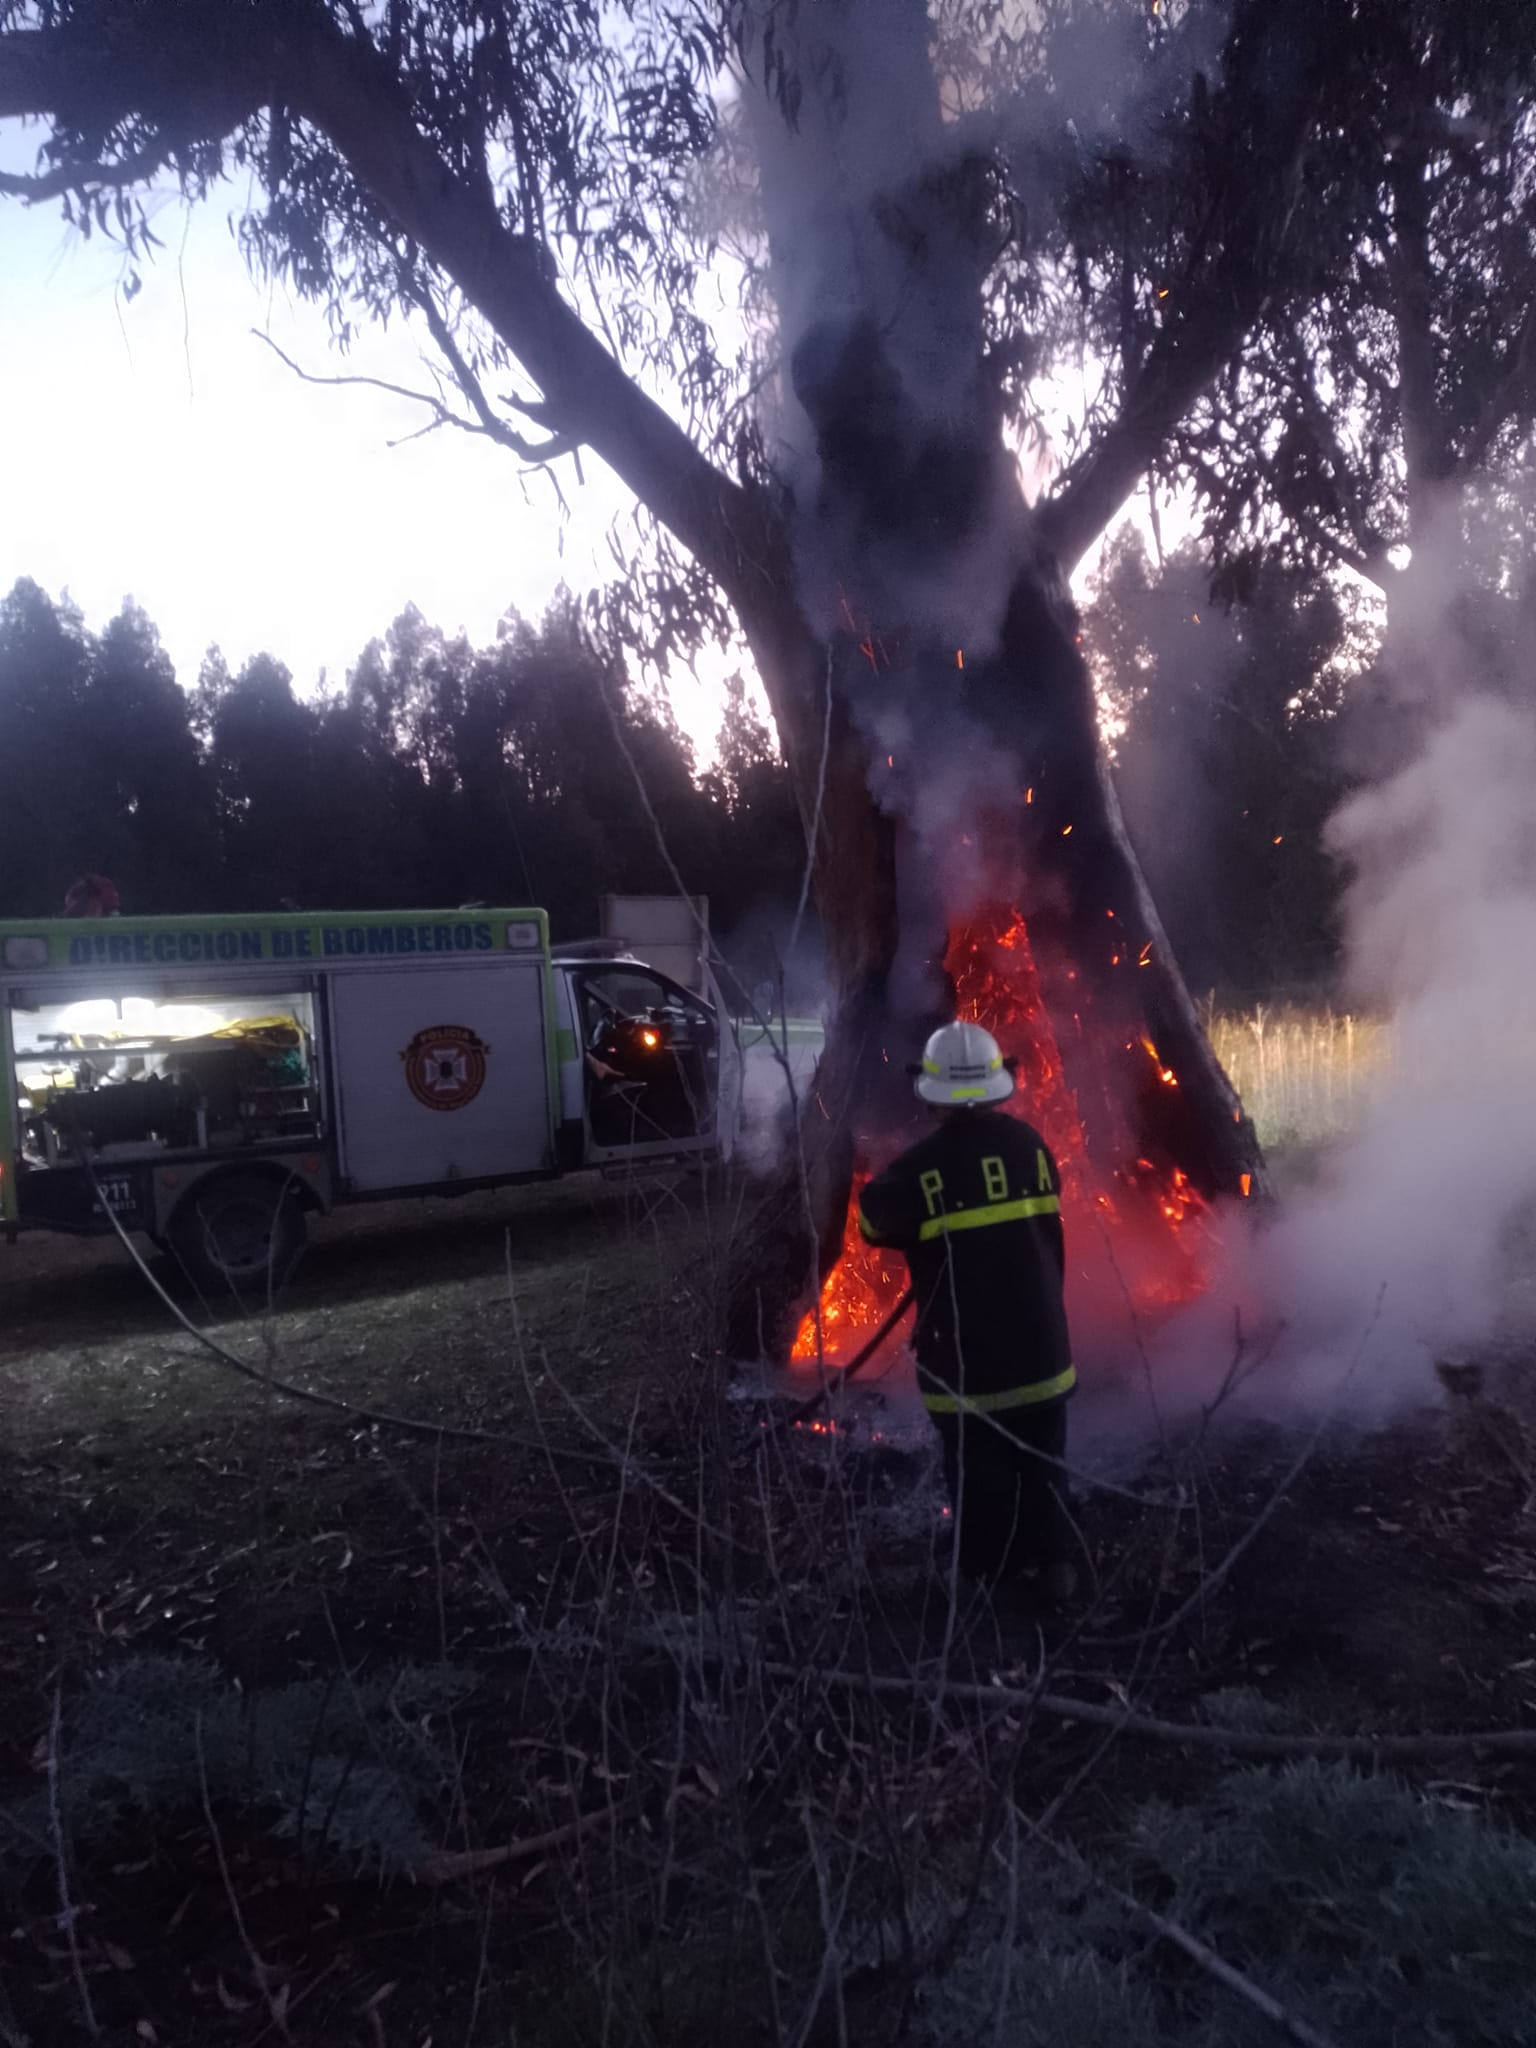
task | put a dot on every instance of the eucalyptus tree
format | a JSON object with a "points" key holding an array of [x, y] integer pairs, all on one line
{"points": [[930, 213], [1392, 378]]}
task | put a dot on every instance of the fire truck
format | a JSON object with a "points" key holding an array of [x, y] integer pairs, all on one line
{"points": [[214, 1081]]}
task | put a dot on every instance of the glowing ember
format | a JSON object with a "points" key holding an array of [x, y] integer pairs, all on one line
{"points": [[1166, 1075], [1134, 1232], [860, 1289]]}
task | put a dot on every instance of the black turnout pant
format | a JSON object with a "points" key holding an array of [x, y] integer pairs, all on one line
{"points": [[1010, 1507]]}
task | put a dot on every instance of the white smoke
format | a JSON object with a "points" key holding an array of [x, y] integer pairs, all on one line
{"points": [[1404, 1240], [867, 128], [1416, 1202], [1407, 1248]]}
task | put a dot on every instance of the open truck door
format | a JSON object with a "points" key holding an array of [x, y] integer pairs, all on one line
{"points": [[652, 1055]]}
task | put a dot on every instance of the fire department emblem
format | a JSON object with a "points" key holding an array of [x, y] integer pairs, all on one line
{"points": [[445, 1066]]}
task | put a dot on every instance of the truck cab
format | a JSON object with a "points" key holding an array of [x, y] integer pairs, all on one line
{"points": [[646, 1063], [211, 1082]]}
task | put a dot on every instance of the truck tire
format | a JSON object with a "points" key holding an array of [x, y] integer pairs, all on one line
{"points": [[240, 1234]]}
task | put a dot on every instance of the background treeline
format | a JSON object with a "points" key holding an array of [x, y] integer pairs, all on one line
{"points": [[441, 773]]}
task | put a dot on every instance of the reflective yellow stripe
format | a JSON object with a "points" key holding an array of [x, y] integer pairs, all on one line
{"points": [[996, 1212], [993, 1066], [990, 1404], [866, 1228]]}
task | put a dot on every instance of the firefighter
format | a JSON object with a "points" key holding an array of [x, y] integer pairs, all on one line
{"points": [[975, 1206]]}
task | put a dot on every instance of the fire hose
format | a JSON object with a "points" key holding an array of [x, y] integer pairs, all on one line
{"points": [[855, 1364]]}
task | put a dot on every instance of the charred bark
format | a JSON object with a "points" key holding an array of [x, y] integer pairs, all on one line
{"points": [[1091, 915], [794, 1233], [903, 509], [1069, 858]]}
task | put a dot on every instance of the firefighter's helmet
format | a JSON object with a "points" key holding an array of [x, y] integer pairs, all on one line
{"points": [[963, 1068]]}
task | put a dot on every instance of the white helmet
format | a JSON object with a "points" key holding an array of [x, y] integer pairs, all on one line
{"points": [[963, 1068]]}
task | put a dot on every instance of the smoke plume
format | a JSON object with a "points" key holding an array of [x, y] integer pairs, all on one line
{"points": [[1405, 1249], [1415, 1205]]}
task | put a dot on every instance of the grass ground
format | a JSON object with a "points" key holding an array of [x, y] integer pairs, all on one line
{"points": [[237, 1775]]}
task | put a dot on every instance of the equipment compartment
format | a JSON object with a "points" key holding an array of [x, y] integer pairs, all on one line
{"points": [[135, 1078]]}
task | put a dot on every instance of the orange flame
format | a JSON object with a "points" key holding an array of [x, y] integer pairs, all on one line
{"points": [[861, 1288], [1131, 1230]]}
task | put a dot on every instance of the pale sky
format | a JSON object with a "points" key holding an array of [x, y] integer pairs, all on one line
{"points": [[155, 448]]}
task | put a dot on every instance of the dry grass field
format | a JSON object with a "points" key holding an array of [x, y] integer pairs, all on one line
{"points": [[1304, 1074]]}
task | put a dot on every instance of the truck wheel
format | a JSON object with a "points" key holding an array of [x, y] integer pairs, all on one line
{"points": [[240, 1235]]}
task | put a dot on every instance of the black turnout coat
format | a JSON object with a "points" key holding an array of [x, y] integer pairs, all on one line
{"points": [[976, 1208]]}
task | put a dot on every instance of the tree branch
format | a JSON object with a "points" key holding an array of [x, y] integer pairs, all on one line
{"points": [[491, 421], [1252, 231], [447, 1866], [1186, 1734], [1371, 563], [1182, 362], [1200, 1952], [1426, 455], [349, 93], [81, 177], [537, 454], [351, 97], [34, 71], [1506, 397]]}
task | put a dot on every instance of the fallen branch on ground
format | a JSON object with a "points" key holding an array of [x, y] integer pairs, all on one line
{"points": [[1191, 1735], [450, 1864], [1225, 1973], [1215, 1966]]}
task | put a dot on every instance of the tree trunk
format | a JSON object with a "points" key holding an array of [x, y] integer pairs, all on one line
{"points": [[1117, 1004], [960, 706], [1111, 983], [793, 1237]]}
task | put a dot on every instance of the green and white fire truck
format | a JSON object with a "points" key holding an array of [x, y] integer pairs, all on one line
{"points": [[213, 1080]]}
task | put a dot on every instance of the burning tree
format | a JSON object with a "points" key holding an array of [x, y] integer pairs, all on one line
{"points": [[938, 206]]}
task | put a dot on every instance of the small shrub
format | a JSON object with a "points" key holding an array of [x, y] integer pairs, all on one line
{"points": [[1038, 1996], [1244, 1707], [1381, 1919], [1407, 1922], [344, 1767]]}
